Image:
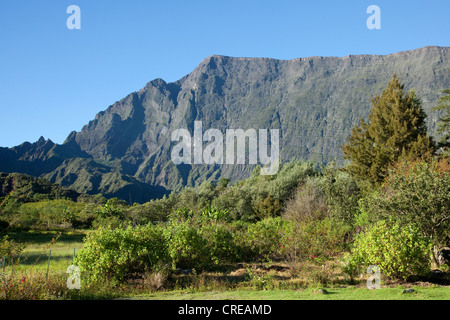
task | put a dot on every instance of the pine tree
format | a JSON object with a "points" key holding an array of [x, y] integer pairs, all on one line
{"points": [[396, 128]]}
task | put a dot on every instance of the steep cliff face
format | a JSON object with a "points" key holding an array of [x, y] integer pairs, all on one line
{"points": [[313, 101]]}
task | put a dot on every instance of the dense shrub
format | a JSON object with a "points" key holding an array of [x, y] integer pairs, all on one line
{"points": [[326, 237], [290, 176], [265, 238], [119, 253], [341, 193], [53, 214], [9, 249], [238, 202], [155, 210], [187, 246], [399, 250], [222, 247], [261, 196], [206, 192], [418, 193], [269, 207], [186, 198], [314, 238]]}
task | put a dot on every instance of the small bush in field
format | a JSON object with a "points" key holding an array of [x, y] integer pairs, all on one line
{"points": [[341, 193], [118, 253], [9, 248], [326, 237], [264, 238], [187, 247], [399, 251], [314, 238], [221, 244], [261, 281]]}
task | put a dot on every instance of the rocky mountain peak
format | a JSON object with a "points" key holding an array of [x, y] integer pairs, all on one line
{"points": [[313, 101]]}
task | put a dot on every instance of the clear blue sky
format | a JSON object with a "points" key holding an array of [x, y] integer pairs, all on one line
{"points": [[54, 80]]}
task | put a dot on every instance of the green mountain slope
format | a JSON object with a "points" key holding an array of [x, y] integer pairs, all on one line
{"points": [[125, 150]]}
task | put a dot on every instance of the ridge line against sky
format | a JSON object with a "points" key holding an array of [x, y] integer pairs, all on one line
{"points": [[53, 80]]}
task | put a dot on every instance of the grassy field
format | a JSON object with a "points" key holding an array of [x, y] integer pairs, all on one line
{"points": [[38, 249], [348, 293]]}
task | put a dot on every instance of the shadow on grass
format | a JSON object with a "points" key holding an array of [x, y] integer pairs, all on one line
{"points": [[434, 276], [44, 237], [29, 259]]}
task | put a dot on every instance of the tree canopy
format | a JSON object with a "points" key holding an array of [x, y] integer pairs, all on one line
{"points": [[395, 128]]}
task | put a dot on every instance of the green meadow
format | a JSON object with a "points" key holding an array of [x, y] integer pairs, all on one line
{"points": [[38, 255]]}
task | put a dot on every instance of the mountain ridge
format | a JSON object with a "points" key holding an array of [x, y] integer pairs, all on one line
{"points": [[314, 101]]}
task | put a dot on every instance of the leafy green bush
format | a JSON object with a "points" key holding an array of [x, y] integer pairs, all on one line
{"points": [[213, 214], [265, 238], [150, 212], [326, 237], [290, 176], [187, 247], [238, 202], [269, 207], [221, 244], [119, 253], [53, 214], [261, 196], [10, 249], [112, 222], [341, 193], [111, 214], [399, 250], [314, 238], [417, 193]]}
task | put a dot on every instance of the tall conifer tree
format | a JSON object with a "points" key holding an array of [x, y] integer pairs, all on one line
{"points": [[396, 128]]}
